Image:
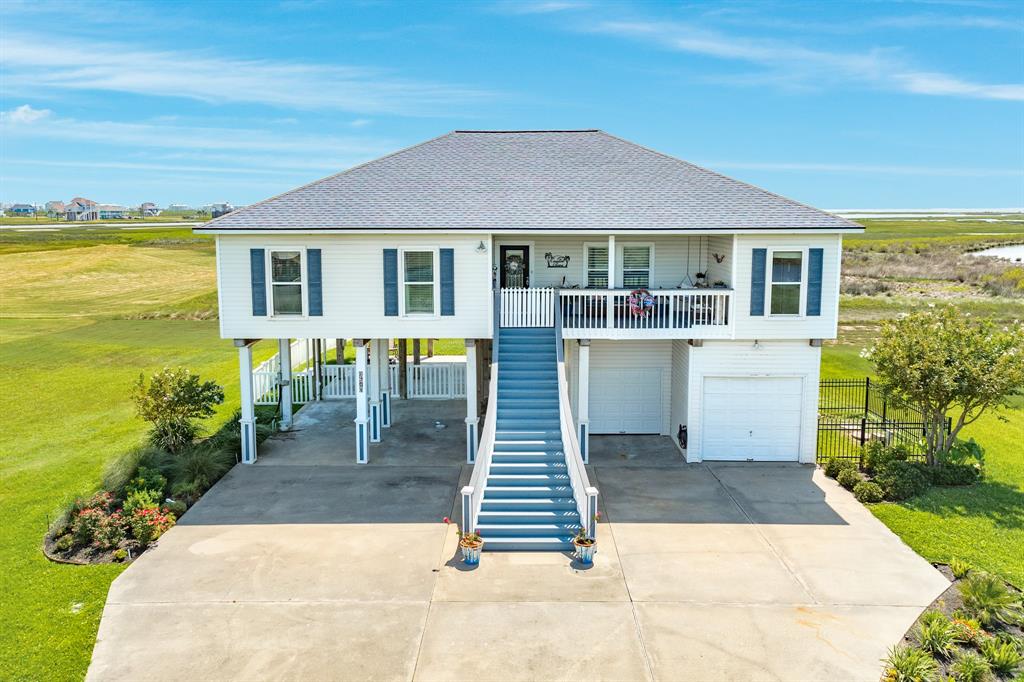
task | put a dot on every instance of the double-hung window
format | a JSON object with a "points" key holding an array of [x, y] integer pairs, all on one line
{"points": [[786, 281], [636, 267], [418, 276], [286, 282], [597, 267]]}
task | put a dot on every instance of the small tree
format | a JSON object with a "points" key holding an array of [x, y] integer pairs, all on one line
{"points": [[948, 364], [172, 402]]}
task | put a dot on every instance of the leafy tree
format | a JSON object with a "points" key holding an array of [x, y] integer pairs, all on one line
{"points": [[172, 402], [948, 364]]}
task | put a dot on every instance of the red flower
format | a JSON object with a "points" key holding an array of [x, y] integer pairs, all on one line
{"points": [[447, 520]]}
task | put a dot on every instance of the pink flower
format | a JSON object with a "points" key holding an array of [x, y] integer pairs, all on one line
{"points": [[447, 520]]}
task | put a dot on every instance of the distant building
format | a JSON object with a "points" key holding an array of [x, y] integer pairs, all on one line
{"points": [[149, 209], [22, 210], [111, 211], [80, 208], [55, 209], [179, 208], [217, 210]]}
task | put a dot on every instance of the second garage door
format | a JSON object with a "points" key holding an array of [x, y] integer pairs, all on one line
{"points": [[625, 401], [751, 418]]}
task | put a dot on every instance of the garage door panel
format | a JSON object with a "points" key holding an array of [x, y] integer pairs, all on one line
{"points": [[625, 401], [751, 418]]}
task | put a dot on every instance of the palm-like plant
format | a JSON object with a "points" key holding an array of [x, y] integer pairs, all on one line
{"points": [[909, 664], [988, 599]]}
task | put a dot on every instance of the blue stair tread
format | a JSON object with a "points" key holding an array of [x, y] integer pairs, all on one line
{"points": [[528, 544]]}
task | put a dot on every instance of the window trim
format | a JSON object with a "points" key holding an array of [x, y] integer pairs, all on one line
{"points": [[435, 252], [303, 283], [621, 256], [769, 282], [586, 265]]}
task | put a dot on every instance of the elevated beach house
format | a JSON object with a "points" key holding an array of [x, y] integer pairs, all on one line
{"points": [[601, 288]]}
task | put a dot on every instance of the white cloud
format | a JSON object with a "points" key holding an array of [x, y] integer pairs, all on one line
{"points": [[24, 114], [793, 65], [538, 6], [32, 62], [360, 123]]}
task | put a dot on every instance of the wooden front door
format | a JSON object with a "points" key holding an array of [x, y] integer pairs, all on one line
{"points": [[515, 267]]}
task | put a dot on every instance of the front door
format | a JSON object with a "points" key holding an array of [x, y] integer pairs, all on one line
{"points": [[515, 267]]}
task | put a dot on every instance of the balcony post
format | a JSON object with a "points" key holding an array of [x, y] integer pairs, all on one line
{"points": [[384, 381], [362, 409], [374, 390], [247, 421], [284, 356]]}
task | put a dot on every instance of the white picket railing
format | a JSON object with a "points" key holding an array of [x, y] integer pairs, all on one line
{"points": [[672, 313], [429, 381], [527, 307]]}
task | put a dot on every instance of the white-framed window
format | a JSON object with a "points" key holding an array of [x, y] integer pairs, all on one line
{"points": [[637, 261], [287, 281], [419, 282], [786, 277], [597, 266]]}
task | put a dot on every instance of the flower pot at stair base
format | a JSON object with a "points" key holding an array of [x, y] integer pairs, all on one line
{"points": [[585, 553], [471, 554]]}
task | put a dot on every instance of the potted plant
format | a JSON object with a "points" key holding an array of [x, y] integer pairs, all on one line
{"points": [[471, 545], [585, 545], [719, 284], [702, 279]]}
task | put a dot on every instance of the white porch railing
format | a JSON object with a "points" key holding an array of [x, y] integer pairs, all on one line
{"points": [[527, 307], [675, 313], [429, 381], [584, 493]]}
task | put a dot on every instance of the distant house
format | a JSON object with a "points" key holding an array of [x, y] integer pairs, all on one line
{"points": [[80, 208], [111, 211], [22, 210], [179, 208], [55, 209], [149, 209], [217, 210]]}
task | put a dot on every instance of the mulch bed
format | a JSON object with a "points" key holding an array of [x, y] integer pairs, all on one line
{"points": [[83, 556]]}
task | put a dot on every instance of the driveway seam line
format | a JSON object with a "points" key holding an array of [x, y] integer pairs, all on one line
{"points": [[757, 529]]}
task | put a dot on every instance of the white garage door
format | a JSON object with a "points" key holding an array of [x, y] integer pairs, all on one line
{"points": [[751, 418], [625, 400]]}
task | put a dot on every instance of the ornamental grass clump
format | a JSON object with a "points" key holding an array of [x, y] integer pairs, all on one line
{"points": [[989, 600], [959, 568], [970, 667], [909, 664], [1003, 656], [937, 636]]}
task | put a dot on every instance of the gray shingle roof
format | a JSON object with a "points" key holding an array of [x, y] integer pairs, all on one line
{"points": [[523, 180]]}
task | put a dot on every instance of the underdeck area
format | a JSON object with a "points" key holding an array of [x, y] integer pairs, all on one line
{"points": [[306, 562]]}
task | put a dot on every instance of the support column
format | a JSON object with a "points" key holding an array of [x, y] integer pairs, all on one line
{"points": [[403, 372], [284, 356], [583, 399], [247, 422], [415, 351], [472, 416], [430, 348], [339, 351], [374, 390], [317, 383], [612, 277], [362, 409], [385, 382]]}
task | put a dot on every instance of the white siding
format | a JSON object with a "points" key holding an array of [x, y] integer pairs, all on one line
{"points": [[353, 288], [739, 359], [768, 327], [634, 356], [680, 387]]}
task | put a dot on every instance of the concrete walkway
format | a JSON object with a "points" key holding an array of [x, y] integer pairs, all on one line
{"points": [[306, 566]]}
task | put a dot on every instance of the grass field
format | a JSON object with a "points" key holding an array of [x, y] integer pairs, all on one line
{"points": [[83, 311]]}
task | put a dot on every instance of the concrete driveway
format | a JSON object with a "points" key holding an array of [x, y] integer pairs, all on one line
{"points": [[306, 566]]}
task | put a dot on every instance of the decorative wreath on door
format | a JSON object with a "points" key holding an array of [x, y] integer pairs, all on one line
{"points": [[641, 302]]}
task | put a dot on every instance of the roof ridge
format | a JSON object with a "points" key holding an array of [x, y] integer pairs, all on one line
{"points": [[554, 130], [732, 179]]}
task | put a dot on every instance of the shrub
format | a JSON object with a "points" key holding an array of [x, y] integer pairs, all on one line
{"points": [[900, 480], [868, 492], [141, 499], [149, 524], [172, 402], [1003, 657], [849, 478], [85, 525], [186, 491], [964, 452], [177, 508], [836, 465], [120, 554], [65, 543], [909, 664], [967, 629], [877, 453], [147, 479], [937, 636], [202, 466], [959, 567], [970, 667], [988, 599], [110, 532], [956, 474]]}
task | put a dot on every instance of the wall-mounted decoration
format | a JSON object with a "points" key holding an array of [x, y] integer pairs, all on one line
{"points": [[556, 261], [719, 257]]}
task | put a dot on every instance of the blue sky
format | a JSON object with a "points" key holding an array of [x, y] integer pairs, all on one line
{"points": [[838, 104]]}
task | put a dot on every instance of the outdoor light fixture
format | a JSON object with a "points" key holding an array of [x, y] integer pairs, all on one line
{"points": [[481, 247], [757, 345]]}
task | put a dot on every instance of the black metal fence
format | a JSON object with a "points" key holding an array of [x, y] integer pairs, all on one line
{"points": [[854, 412]]}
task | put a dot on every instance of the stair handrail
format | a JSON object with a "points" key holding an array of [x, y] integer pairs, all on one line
{"points": [[473, 493], [584, 493]]}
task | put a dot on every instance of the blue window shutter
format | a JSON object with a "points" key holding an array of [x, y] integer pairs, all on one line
{"points": [[316, 283], [757, 275], [814, 266], [447, 281], [258, 277], [391, 282]]}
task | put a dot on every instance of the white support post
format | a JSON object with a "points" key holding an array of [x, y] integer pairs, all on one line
{"points": [[284, 356], [583, 399], [384, 381], [472, 418], [247, 423], [362, 419], [611, 261], [374, 390]]}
